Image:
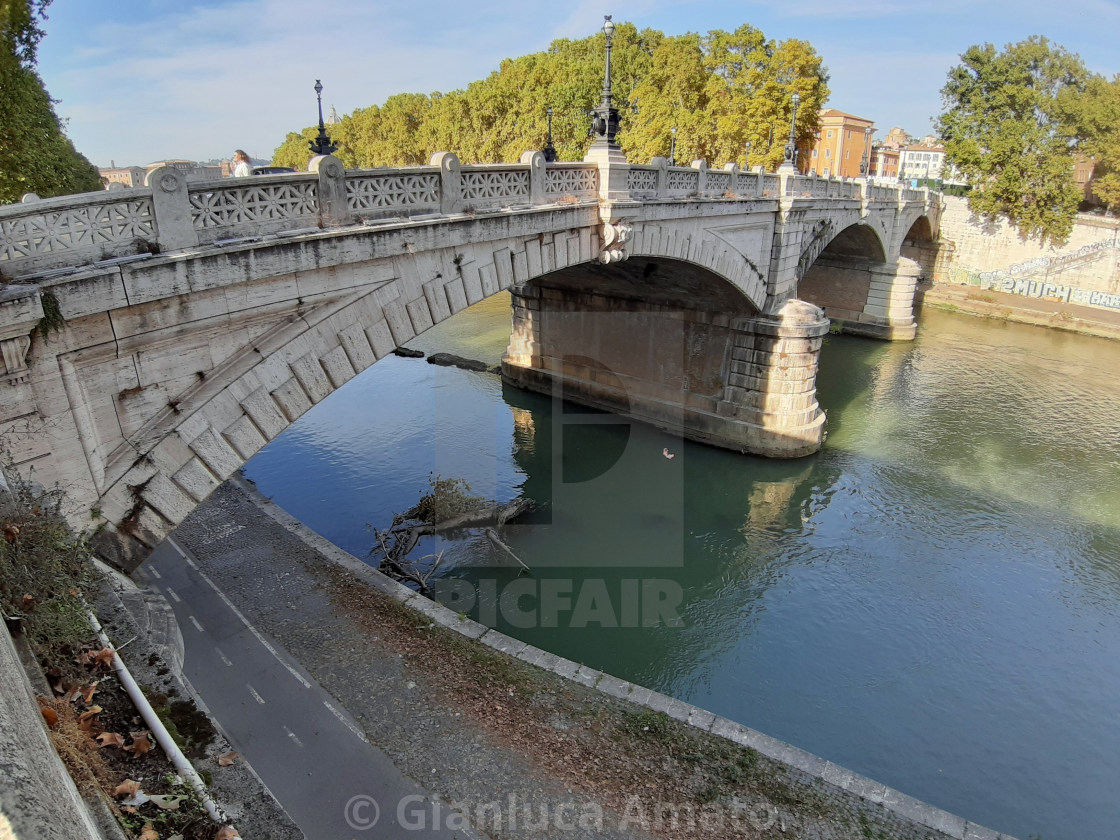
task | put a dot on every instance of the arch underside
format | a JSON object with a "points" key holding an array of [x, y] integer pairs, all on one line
{"points": [[182, 435]]}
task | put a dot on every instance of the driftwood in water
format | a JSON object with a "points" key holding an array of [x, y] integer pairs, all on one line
{"points": [[492, 515], [397, 542], [492, 535]]}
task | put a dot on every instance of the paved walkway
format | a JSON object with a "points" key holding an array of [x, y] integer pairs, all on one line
{"points": [[305, 747], [295, 683]]}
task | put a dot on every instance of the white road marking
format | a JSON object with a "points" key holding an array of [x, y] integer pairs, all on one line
{"points": [[182, 554], [344, 721], [260, 638], [292, 735], [222, 656], [256, 696], [197, 626], [155, 574], [174, 597]]}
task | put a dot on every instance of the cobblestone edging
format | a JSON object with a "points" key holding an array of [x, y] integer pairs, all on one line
{"points": [[900, 809]]}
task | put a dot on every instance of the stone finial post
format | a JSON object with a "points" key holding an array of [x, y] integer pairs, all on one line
{"points": [[333, 208], [701, 167], [538, 176], [733, 181], [172, 208], [661, 164], [450, 182]]}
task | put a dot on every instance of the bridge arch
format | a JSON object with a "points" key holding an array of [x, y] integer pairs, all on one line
{"points": [[858, 284], [196, 321]]}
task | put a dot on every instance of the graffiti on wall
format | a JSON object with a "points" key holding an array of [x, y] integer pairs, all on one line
{"points": [[1017, 279]]}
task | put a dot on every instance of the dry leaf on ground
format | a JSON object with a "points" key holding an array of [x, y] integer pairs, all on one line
{"points": [[148, 833], [126, 788], [110, 739], [140, 744], [49, 715], [227, 832], [103, 657], [226, 759]]}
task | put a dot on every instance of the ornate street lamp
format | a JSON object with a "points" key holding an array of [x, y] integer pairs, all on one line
{"points": [[747, 155], [604, 124], [550, 153], [791, 145], [673, 146], [866, 146], [322, 144]]}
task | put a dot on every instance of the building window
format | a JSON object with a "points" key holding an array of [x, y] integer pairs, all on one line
{"points": [[814, 152], [847, 154], [828, 153], [830, 132]]}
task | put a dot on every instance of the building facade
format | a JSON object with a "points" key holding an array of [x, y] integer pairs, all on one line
{"points": [[125, 176], [842, 146], [921, 162]]}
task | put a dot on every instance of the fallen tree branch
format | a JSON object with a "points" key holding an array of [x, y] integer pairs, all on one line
{"points": [[492, 535]]}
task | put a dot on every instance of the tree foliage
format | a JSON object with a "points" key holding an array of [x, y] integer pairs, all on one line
{"points": [[1095, 116], [1006, 129], [35, 154], [719, 90]]}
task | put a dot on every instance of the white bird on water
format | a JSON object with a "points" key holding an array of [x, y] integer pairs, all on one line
{"points": [[667, 453]]}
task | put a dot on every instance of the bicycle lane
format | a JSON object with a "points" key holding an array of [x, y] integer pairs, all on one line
{"points": [[306, 749]]}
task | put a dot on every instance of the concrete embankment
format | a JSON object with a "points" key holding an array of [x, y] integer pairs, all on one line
{"points": [[1040, 312], [408, 670]]}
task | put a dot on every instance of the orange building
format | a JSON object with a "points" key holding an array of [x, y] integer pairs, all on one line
{"points": [[841, 147], [884, 162]]}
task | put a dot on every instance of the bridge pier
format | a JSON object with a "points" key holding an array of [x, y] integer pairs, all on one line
{"points": [[865, 297], [746, 383]]}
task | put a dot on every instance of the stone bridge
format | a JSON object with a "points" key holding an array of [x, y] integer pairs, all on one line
{"points": [[154, 339]]}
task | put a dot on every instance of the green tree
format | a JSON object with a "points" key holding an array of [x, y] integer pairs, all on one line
{"points": [[719, 91], [35, 154], [1004, 131], [1095, 115]]}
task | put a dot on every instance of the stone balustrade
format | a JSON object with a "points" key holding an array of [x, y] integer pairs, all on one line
{"points": [[171, 214]]}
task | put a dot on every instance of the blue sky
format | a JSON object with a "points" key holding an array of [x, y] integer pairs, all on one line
{"points": [[145, 80]]}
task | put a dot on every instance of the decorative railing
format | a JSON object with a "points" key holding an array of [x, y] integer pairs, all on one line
{"points": [[642, 179], [579, 180], [225, 208], [372, 192], [172, 214], [74, 229], [484, 186]]}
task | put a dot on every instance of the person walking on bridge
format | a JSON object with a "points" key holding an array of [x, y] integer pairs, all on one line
{"points": [[242, 165]]}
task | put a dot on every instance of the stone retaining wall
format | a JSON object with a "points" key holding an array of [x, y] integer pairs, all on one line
{"points": [[1083, 270]]}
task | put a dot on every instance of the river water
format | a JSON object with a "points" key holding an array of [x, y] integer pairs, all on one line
{"points": [[933, 600]]}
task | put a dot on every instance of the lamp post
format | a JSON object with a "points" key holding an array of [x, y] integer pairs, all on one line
{"points": [[322, 144], [747, 155], [863, 164], [673, 146], [549, 152], [604, 124], [790, 161]]}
